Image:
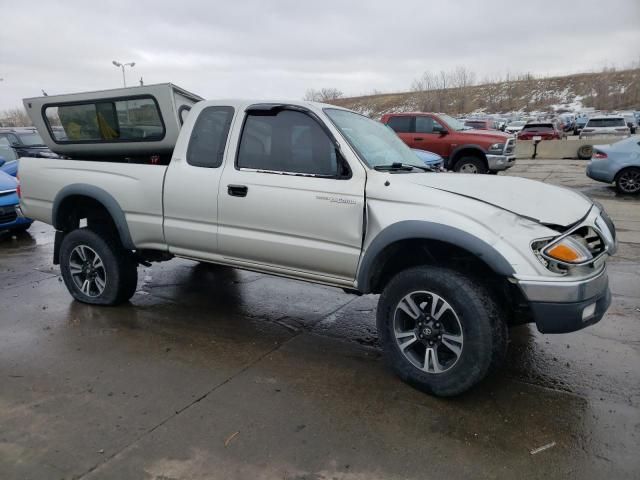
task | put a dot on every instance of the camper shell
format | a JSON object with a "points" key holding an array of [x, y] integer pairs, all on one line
{"points": [[124, 123]]}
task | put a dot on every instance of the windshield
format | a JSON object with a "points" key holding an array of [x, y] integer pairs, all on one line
{"points": [[7, 153], [479, 124], [453, 123], [375, 143], [30, 139]]}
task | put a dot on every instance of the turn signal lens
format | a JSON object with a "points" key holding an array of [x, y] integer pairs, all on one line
{"points": [[569, 250]]}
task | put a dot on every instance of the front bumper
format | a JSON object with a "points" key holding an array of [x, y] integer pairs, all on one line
{"points": [[500, 162], [11, 217], [566, 306]]}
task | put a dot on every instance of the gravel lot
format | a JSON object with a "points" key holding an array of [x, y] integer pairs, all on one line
{"points": [[216, 373]]}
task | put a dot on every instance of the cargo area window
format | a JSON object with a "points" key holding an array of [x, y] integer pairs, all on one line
{"points": [[209, 137], [121, 120], [288, 141]]}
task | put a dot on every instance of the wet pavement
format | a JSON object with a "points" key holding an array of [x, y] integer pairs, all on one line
{"points": [[212, 372]]}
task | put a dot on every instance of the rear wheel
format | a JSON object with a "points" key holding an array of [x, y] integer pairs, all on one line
{"points": [[96, 269], [470, 165], [441, 331], [628, 181]]}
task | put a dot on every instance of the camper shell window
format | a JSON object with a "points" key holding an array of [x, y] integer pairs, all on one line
{"points": [[134, 119]]}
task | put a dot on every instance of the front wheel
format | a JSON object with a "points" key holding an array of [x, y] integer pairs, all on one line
{"points": [[441, 331], [96, 269], [470, 165]]}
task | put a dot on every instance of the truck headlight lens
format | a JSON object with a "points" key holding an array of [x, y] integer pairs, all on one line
{"points": [[497, 147], [569, 250]]}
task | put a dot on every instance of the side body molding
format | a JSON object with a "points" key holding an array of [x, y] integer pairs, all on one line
{"points": [[102, 196], [416, 229]]}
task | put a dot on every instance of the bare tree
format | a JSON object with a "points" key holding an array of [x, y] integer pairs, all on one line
{"points": [[15, 117], [323, 95]]}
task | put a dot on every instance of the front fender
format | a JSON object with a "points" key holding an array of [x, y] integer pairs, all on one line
{"points": [[422, 229]]}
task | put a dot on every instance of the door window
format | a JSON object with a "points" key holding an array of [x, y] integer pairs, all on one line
{"points": [[209, 137], [287, 141], [401, 124], [427, 125]]}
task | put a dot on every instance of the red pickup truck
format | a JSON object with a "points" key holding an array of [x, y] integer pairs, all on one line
{"points": [[464, 149]]}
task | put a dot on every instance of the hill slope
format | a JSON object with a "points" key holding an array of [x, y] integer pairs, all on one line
{"points": [[608, 90]]}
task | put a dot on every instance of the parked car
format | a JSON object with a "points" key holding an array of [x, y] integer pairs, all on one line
{"points": [[579, 125], [463, 149], [605, 126], [319, 193], [545, 130], [618, 162], [11, 217], [8, 160], [515, 126], [430, 159], [27, 142], [482, 124]]}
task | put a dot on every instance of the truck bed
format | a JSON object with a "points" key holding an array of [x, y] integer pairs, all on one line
{"points": [[137, 187]]}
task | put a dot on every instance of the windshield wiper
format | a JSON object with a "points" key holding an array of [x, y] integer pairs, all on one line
{"points": [[401, 167]]}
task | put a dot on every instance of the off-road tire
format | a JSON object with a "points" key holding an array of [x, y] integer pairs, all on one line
{"points": [[478, 163], [482, 321], [119, 265]]}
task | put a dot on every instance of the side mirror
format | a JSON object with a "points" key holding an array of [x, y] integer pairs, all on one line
{"points": [[2, 161], [441, 131]]}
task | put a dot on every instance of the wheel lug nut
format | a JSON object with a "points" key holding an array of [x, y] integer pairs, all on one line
{"points": [[430, 342]]}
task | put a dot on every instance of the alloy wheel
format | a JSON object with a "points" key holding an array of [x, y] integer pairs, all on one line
{"points": [[87, 271], [428, 332], [629, 181]]}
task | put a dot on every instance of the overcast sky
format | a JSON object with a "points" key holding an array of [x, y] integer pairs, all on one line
{"points": [[281, 48]]}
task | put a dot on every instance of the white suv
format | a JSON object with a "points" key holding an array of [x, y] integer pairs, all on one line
{"points": [[605, 125]]}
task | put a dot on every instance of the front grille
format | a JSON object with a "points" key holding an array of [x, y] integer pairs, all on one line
{"points": [[510, 146], [591, 240], [7, 214]]}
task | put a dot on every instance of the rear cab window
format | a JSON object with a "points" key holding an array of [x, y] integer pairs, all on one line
{"points": [[104, 121], [209, 137]]}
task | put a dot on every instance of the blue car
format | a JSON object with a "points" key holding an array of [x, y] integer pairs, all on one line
{"points": [[430, 159], [618, 162], [8, 160], [11, 217]]}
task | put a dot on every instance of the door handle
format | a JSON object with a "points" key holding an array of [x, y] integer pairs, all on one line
{"points": [[418, 139], [237, 190]]}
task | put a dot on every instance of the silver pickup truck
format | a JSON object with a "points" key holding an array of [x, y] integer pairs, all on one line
{"points": [[322, 194]]}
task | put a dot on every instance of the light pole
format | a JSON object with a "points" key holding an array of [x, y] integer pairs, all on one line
{"points": [[122, 65]]}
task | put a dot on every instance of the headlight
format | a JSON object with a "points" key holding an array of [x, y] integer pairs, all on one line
{"points": [[497, 147], [569, 250], [48, 155]]}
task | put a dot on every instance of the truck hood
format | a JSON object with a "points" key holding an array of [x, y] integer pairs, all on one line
{"points": [[547, 204]]}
